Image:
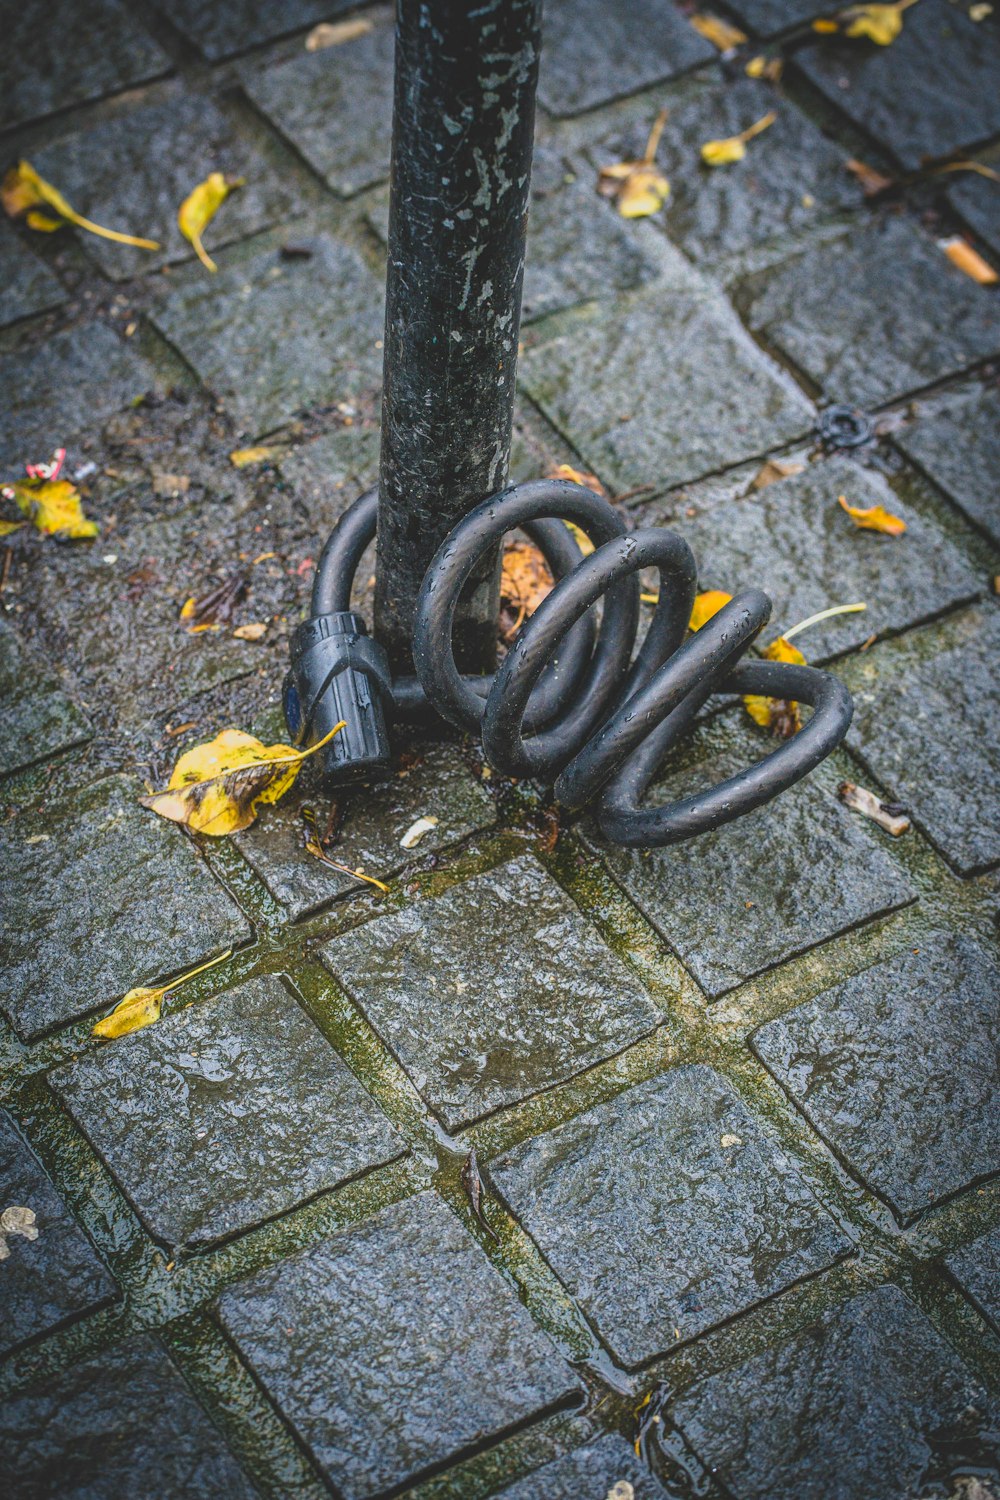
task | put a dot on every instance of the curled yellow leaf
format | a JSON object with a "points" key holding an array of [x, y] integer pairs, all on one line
{"points": [[879, 23], [734, 147], [705, 606], [25, 194], [141, 1007], [53, 506], [874, 518], [199, 209], [780, 715], [636, 186], [216, 788]]}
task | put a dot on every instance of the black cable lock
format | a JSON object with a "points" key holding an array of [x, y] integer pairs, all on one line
{"points": [[567, 705]]}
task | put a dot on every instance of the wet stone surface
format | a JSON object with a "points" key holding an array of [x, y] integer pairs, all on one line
{"points": [[976, 1268], [376, 820], [905, 96], [792, 539], [152, 908], [667, 1210], [960, 450], [591, 1473], [64, 53], [254, 338], [769, 17], [36, 717], [27, 285], [774, 883], [874, 315], [335, 105], [898, 1069], [482, 995], [976, 199], [64, 388], [910, 700], [869, 1400], [162, 150], [125, 1423], [331, 472], [642, 409], [219, 31], [52, 1274], [169, 1109], [589, 52], [407, 1347]]}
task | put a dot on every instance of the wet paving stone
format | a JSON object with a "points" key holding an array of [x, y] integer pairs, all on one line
{"points": [[874, 315], [959, 449], [253, 336], [869, 1400], [905, 96], [925, 723], [64, 53], [62, 388], [222, 30], [589, 51], [162, 150], [481, 993], [27, 286], [591, 1473], [151, 908], [167, 1109], [406, 1348], [335, 105], [36, 718], [976, 1268], [898, 1070], [667, 1211], [661, 387], [774, 883], [792, 539], [52, 1274], [122, 1424], [769, 17], [975, 198], [331, 472], [376, 821]]}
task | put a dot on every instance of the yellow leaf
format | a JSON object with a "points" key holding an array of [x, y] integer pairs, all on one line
{"points": [[879, 23], [875, 518], [581, 538], [577, 476], [780, 715], [773, 470], [251, 632], [23, 192], [217, 788], [241, 457], [141, 1007], [825, 26], [636, 186], [53, 505], [199, 209], [6, 527], [770, 68], [969, 261], [705, 606], [733, 147], [525, 580], [720, 33]]}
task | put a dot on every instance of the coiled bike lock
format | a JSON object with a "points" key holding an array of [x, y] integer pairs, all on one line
{"points": [[568, 706]]}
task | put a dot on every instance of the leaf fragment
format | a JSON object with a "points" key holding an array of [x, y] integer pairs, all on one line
{"points": [[874, 518], [142, 1006], [734, 147], [872, 181], [252, 632], [705, 606], [199, 209], [887, 815], [878, 23], [773, 470], [53, 506], [637, 187], [241, 458], [23, 193], [416, 831], [525, 580], [577, 476], [722, 34], [20, 1220], [335, 33], [770, 68], [969, 261], [780, 715]]}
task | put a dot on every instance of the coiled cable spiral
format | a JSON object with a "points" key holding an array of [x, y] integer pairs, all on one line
{"points": [[568, 706]]}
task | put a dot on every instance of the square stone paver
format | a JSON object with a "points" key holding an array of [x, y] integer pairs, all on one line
{"points": [[868, 1401], [874, 315], [377, 818], [221, 30], [906, 96], [253, 335], [167, 1108], [124, 1423], [57, 390], [102, 895], [36, 718], [27, 286], [898, 1068], [976, 1268], [661, 387], [53, 1275], [666, 1211], [590, 52], [795, 542], [605, 1468], [393, 1347], [976, 199], [335, 105], [162, 151], [62, 52], [482, 995], [774, 883], [927, 724], [959, 449], [769, 17]]}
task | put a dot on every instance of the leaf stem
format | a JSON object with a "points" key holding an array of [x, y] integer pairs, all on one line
{"points": [[183, 979], [824, 614]]}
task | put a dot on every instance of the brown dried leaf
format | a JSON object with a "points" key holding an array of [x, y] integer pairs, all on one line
{"points": [[525, 580], [860, 800], [773, 470]]}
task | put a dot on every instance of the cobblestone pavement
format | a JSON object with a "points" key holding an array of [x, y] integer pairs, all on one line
{"points": [[735, 1104]]}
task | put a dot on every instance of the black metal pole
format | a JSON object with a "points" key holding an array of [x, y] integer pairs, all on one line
{"points": [[463, 123]]}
